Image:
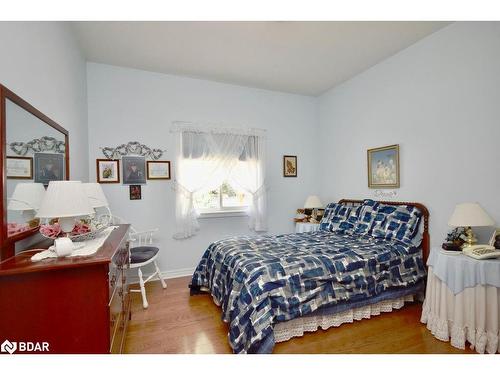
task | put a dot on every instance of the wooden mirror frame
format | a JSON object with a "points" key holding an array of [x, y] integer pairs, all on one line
{"points": [[7, 244]]}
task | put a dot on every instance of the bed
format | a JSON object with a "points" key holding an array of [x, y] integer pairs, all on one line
{"points": [[368, 257]]}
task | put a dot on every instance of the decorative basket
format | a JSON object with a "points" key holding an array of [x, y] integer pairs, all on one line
{"points": [[88, 236], [53, 231]]}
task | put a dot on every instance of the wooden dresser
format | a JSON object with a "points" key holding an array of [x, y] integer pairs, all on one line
{"points": [[75, 304]]}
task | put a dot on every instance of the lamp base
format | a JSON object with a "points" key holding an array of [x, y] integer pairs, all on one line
{"points": [[28, 215], [471, 239], [67, 224]]}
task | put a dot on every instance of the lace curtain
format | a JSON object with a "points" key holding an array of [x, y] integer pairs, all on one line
{"points": [[209, 155]]}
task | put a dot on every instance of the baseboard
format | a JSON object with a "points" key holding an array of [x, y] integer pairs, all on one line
{"points": [[181, 272]]}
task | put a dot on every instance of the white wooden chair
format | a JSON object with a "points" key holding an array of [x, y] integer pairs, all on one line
{"points": [[142, 253]]}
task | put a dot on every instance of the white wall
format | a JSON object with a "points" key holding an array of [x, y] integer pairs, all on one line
{"points": [[126, 105], [42, 63], [440, 100]]}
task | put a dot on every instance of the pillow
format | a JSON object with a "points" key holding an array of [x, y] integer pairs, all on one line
{"points": [[330, 210], [366, 217], [334, 214], [348, 224], [397, 223], [419, 234]]}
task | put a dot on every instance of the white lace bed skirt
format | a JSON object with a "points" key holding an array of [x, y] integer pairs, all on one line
{"points": [[296, 327], [471, 315]]}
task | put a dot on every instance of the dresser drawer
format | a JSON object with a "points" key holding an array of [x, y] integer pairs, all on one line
{"points": [[115, 317], [119, 304], [117, 269]]}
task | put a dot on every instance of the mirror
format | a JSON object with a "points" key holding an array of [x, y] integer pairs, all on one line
{"points": [[35, 154]]}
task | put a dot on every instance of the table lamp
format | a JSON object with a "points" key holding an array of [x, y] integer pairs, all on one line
{"points": [[27, 197], [96, 197], [66, 201], [470, 215], [313, 202]]}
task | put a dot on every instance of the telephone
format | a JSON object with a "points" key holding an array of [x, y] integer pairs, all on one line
{"points": [[481, 252]]}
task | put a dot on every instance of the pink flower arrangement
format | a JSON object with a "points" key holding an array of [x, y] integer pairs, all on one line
{"points": [[80, 228], [15, 228], [54, 230], [50, 231]]}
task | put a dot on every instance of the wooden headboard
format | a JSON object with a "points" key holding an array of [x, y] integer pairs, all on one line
{"points": [[420, 206]]}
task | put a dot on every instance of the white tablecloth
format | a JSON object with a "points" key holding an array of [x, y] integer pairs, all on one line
{"points": [[471, 315], [460, 271], [306, 227]]}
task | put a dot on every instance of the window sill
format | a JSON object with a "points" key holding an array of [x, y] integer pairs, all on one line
{"points": [[219, 214]]}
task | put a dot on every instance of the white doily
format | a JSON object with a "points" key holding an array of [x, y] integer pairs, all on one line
{"points": [[81, 248]]}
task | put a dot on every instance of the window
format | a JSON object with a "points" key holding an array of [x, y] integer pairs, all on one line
{"points": [[219, 171], [226, 198]]}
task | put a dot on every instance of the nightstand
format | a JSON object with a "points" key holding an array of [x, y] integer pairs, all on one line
{"points": [[306, 227], [462, 300]]}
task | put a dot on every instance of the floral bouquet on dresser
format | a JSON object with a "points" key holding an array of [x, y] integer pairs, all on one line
{"points": [[85, 229]]}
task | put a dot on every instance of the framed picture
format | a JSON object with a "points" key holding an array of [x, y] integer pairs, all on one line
{"points": [[383, 167], [48, 167], [134, 170], [135, 192], [158, 170], [108, 171], [289, 166], [20, 167]]}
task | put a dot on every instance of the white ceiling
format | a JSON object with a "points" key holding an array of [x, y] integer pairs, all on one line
{"points": [[298, 57]]}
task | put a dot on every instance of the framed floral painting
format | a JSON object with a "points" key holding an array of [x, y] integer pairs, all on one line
{"points": [[383, 167], [289, 166], [108, 171]]}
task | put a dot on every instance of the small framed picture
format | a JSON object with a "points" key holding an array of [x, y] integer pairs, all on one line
{"points": [[158, 170], [134, 170], [108, 171], [48, 167], [19, 167], [383, 167], [289, 166], [135, 192]]}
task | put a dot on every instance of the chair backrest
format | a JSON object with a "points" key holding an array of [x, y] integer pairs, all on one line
{"points": [[136, 238]]}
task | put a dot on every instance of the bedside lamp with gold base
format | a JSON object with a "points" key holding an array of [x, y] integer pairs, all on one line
{"points": [[313, 203], [470, 215]]}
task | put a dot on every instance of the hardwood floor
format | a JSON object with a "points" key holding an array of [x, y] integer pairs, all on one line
{"points": [[178, 323]]}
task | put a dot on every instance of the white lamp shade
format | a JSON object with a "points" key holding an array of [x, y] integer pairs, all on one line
{"points": [[65, 199], [26, 196], [95, 194], [470, 215], [313, 201]]}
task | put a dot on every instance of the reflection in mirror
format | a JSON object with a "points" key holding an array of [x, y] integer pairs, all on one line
{"points": [[35, 156]]}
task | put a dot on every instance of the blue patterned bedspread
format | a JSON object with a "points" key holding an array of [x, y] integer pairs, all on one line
{"points": [[262, 280]]}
